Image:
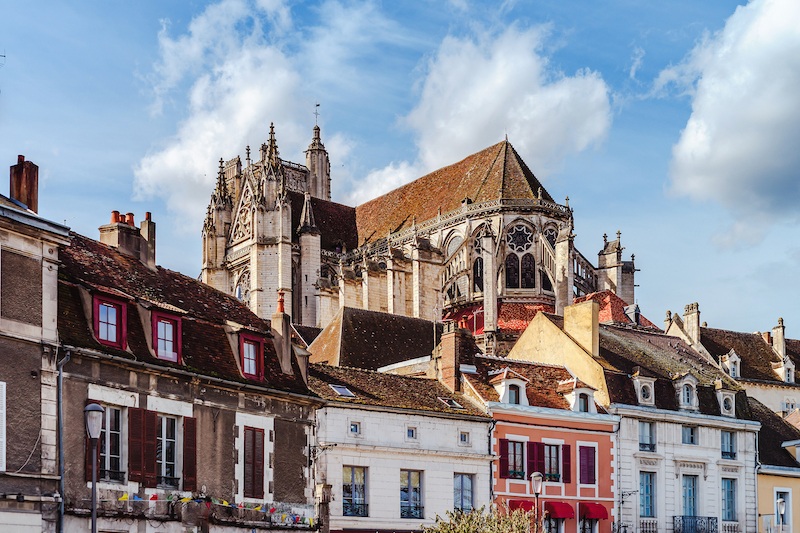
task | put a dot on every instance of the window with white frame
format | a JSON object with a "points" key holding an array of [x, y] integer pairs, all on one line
{"points": [[647, 436], [355, 428], [728, 444], [689, 435], [462, 492], [729, 499], [786, 517], [411, 494], [647, 494], [110, 446], [553, 525], [167, 452], [552, 463], [354, 491], [690, 496]]}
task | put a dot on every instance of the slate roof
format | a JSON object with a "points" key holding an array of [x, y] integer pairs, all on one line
{"points": [[387, 390], [755, 354], [336, 222], [101, 269], [541, 389], [493, 173], [305, 335], [612, 309], [774, 431], [793, 351], [359, 338]]}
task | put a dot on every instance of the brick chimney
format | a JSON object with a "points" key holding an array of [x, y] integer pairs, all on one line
{"points": [[281, 332], [25, 183], [121, 233], [454, 338], [581, 322]]}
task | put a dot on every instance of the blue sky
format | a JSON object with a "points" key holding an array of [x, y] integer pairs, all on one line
{"points": [[675, 123]]}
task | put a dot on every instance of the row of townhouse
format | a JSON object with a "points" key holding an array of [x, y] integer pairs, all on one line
{"points": [[214, 419]]}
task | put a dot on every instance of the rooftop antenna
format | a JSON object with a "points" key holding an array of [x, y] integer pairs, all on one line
{"points": [[316, 114]]}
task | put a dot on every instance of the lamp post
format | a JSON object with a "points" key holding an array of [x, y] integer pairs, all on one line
{"points": [[536, 486], [93, 413], [781, 503]]}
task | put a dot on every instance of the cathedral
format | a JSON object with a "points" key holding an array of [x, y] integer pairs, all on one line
{"points": [[479, 241]]}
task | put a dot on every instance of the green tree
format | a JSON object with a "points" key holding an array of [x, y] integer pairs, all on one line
{"points": [[479, 521]]}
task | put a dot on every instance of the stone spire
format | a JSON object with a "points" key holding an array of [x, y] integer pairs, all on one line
{"points": [[319, 168], [307, 224], [221, 197], [272, 148]]}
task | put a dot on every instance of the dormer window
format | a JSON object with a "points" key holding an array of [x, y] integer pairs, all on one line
{"points": [[688, 394], [646, 392], [731, 363], [645, 389], [251, 356], [513, 394], [167, 336], [583, 402], [727, 402], [110, 320], [686, 388]]}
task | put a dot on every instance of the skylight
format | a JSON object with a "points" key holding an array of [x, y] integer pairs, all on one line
{"points": [[451, 403], [343, 391]]}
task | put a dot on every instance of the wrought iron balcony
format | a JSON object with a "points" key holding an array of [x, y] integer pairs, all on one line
{"points": [[727, 454], [695, 524], [355, 509], [411, 510], [647, 446]]}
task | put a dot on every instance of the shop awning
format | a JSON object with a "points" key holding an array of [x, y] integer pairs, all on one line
{"points": [[559, 510], [525, 505], [593, 511]]}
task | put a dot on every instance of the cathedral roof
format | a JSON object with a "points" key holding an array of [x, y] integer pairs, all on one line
{"points": [[491, 174], [369, 339], [335, 222]]}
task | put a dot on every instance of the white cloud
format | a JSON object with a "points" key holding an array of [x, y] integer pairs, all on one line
{"points": [[636, 62], [739, 146], [478, 89]]}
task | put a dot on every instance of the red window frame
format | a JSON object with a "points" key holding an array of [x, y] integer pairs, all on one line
{"points": [[160, 316], [121, 325], [246, 338]]}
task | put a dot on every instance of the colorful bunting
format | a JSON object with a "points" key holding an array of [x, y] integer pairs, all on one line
{"points": [[124, 497]]}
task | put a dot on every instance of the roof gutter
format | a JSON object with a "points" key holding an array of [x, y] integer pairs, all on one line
{"points": [[169, 370]]}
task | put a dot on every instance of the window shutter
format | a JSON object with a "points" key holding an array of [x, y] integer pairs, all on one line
{"points": [[258, 464], [566, 464], [249, 453], [503, 458], [536, 450], [189, 453], [590, 466], [149, 445], [135, 443]]}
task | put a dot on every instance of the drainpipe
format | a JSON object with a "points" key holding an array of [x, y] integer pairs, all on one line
{"points": [[60, 526], [491, 462]]}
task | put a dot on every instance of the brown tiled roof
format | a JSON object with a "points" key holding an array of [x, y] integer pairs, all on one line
{"points": [[305, 335], [774, 431], [612, 309], [541, 388], [336, 222], [359, 338], [755, 354], [513, 316], [793, 351], [493, 173], [101, 269], [386, 390]]}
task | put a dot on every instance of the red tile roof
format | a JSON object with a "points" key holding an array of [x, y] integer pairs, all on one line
{"points": [[612, 309], [512, 316], [204, 311], [493, 173]]}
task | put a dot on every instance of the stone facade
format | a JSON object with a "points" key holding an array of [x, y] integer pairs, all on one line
{"points": [[480, 238]]}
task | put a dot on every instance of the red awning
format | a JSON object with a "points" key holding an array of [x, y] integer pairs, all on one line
{"points": [[525, 505], [559, 510], [593, 511]]}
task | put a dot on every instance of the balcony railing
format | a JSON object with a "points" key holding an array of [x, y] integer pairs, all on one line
{"points": [[727, 454], [730, 527], [116, 476], [355, 509], [411, 510], [648, 525], [647, 446], [695, 524]]}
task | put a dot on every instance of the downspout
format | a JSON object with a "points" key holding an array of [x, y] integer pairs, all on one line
{"points": [[758, 468], [60, 525], [491, 462]]}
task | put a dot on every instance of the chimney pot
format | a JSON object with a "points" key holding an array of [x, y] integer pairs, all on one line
{"points": [[129, 219], [147, 215], [24, 183], [114, 217], [20, 159], [281, 308]]}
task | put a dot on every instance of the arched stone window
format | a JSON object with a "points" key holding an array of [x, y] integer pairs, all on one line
{"points": [[477, 275], [512, 271], [528, 272]]}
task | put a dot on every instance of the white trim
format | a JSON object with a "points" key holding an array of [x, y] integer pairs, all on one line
{"points": [[169, 407], [112, 396], [259, 422]]}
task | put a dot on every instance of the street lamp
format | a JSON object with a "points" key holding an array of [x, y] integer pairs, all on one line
{"points": [[536, 486], [94, 425], [781, 503]]}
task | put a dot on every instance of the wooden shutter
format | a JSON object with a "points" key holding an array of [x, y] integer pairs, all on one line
{"points": [[503, 458], [258, 464], [249, 453], [536, 454], [135, 444], [587, 457], [189, 453], [566, 463], [149, 445]]}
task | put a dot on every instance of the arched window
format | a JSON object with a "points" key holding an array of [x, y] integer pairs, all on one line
{"points": [[546, 283], [512, 271], [477, 275], [688, 395], [513, 394], [528, 272], [583, 402]]}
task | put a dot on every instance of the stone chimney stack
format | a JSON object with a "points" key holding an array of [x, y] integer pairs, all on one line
{"points": [[691, 321], [582, 323], [121, 233], [453, 340], [779, 339], [25, 183], [281, 332]]}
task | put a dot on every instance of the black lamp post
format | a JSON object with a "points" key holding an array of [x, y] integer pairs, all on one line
{"points": [[94, 425], [781, 503], [536, 486]]}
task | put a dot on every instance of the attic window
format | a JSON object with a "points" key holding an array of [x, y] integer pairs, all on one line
{"points": [[513, 394], [110, 321], [646, 393], [583, 402], [342, 391], [451, 403], [167, 336]]}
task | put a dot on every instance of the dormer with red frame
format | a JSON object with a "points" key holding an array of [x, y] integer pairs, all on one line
{"points": [[167, 336], [251, 355], [110, 321]]}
